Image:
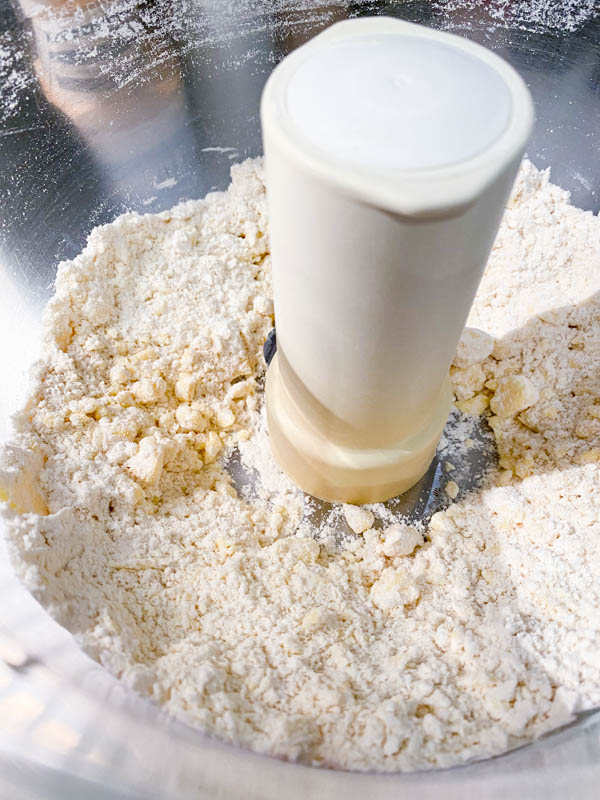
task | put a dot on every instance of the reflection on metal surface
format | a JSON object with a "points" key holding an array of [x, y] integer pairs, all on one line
{"points": [[123, 96], [74, 53], [86, 66]]}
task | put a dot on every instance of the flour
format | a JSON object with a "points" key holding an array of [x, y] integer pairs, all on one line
{"points": [[393, 649], [544, 258]]}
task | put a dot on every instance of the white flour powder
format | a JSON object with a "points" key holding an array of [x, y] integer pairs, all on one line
{"points": [[389, 653]]}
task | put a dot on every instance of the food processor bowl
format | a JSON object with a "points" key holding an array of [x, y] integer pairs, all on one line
{"points": [[127, 105]]}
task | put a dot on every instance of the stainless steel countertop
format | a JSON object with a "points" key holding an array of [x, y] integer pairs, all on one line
{"points": [[113, 106]]}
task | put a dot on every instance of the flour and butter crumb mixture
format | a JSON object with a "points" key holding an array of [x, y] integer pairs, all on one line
{"points": [[397, 649]]}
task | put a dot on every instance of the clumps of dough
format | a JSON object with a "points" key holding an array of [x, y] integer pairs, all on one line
{"points": [[474, 405], [467, 373], [185, 386], [359, 519], [149, 390], [400, 540], [515, 393], [225, 418], [473, 348], [467, 382], [19, 474], [511, 394], [212, 447], [146, 465], [395, 587], [190, 418], [263, 305], [452, 489], [120, 373]]}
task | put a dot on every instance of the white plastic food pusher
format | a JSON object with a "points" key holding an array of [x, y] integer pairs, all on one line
{"points": [[390, 152]]}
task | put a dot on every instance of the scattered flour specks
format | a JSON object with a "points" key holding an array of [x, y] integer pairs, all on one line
{"points": [[392, 649], [125, 44]]}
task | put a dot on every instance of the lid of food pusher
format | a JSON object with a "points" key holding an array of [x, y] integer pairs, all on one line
{"points": [[398, 101], [402, 116]]}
